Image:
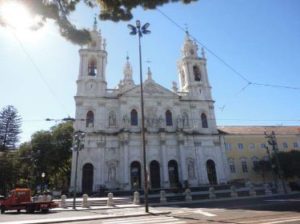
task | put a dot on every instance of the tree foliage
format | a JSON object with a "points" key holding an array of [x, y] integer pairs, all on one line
{"points": [[262, 167], [10, 123], [48, 152], [290, 163], [59, 10]]}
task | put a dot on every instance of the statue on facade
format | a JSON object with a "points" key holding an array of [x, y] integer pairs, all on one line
{"points": [[191, 169], [112, 119]]}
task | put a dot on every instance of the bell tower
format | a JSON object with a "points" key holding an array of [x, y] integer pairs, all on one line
{"points": [[193, 76], [93, 58]]}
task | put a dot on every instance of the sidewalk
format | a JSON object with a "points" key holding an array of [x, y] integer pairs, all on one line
{"points": [[84, 214]]}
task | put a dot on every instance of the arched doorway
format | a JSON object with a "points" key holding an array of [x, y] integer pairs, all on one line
{"points": [[155, 174], [135, 172], [211, 172], [87, 178], [173, 173]]}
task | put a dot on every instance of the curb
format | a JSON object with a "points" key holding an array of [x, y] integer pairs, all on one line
{"points": [[86, 218]]}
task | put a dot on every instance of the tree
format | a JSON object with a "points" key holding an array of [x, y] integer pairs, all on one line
{"points": [[58, 10], [10, 123], [262, 167], [290, 163], [48, 152]]}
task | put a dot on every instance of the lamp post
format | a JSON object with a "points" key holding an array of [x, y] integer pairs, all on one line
{"points": [[78, 145], [43, 182], [140, 30]]}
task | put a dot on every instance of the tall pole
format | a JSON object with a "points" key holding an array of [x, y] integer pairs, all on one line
{"points": [[78, 137], [140, 30], [75, 180], [143, 131]]}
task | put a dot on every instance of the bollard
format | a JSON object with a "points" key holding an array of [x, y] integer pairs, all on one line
{"points": [[110, 200], [136, 198], [85, 202], [163, 198], [212, 194], [49, 197], [250, 186], [233, 192], [188, 195], [267, 189], [63, 203]]}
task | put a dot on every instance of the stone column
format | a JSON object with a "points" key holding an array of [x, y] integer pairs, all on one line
{"points": [[165, 174], [182, 159], [125, 159]]}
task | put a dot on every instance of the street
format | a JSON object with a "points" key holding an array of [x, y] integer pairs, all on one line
{"points": [[266, 210]]}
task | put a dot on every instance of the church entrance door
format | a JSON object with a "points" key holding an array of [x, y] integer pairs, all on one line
{"points": [[211, 172], [155, 174], [87, 178], [135, 172], [173, 173]]}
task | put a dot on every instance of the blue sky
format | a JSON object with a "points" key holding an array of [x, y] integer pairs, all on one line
{"points": [[258, 38]]}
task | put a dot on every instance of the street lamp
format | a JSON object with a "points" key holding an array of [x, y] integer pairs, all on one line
{"points": [[43, 181], [140, 30], [78, 145]]}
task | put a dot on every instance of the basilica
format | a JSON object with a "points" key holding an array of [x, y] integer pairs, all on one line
{"points": [[183, 144]]}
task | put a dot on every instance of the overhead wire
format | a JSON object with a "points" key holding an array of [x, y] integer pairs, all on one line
{"points": [[235, 71], [39, 72]]}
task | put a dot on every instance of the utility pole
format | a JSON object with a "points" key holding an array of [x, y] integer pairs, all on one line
{"points": [[271, 139]]}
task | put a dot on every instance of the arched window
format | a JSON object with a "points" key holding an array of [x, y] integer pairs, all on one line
{"points": [[90, 119], [169, 120], [134, 117], [197, 73], [92, 68], [204, 121]]}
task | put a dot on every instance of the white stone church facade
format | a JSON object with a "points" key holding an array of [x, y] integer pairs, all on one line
{"points": [[182, 141]]}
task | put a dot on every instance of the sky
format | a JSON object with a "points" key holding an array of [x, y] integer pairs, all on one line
{"points": [[246, 42]]}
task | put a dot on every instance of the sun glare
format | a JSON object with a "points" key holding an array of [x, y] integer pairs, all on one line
{"points": [[16, 15]]}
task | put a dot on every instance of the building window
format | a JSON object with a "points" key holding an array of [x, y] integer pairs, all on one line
{"points": [[240, 146], [134, 117], [263, 146], [231, 166], [244, 166], [296, 145], [255, 161], [251, 146], [92, 68], [285, 145], [169, 121], [197, 73], [204, 120], [90, 119], [228, 146]]}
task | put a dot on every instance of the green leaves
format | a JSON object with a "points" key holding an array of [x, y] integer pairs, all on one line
{"points": [[58, 10]]}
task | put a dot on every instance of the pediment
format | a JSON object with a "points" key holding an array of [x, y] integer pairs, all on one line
{"points": [[151, 88]]}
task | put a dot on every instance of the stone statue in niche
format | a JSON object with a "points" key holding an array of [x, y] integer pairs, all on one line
{"points": [[125, 120], [185, 120], [160, 121], [179, 122], [111, 173], [112, 119], [191, 169]]}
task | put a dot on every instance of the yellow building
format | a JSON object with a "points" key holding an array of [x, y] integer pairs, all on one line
{"points": [[245, 145]]}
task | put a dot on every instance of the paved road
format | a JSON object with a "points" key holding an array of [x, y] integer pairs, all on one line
{"points": [[272, 210]]}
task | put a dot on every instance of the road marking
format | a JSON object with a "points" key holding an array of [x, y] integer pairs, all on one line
{"points": [[205, 213], [273, 220]]}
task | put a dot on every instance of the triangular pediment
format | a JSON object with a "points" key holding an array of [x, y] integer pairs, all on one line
{"points": [[150, 88]]}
